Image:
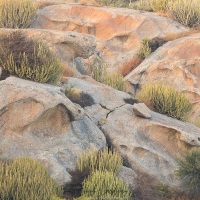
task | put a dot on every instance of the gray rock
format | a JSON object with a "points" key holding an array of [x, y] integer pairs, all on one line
{"points": [[141, 110], [129, 177], [150, 146], [107, 97], [39, 121]]}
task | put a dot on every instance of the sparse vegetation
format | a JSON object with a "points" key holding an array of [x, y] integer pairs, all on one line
{"points": [[165, 100], [79, 97], [116, 3], [96, 176], [105, 185], [16, 13], [189, 167], [141, 5], [105, 160], [148, 46], [145, 49], [24, 178], [159, 5], [112, 79], [187, 12], [28, 59], [164, 191]]}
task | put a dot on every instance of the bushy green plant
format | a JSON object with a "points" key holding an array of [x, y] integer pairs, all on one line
{"points": [[112, 79], [165, 100], [16, 13], [189, 167], [145, 49], [28, 59], [24, 178], [104, 160], [105, 185], [187, 12]]}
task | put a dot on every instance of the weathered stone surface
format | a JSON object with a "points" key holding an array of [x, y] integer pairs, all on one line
{"points": [[118, 31], [140, 109], [129, 177], [107, 97], [176, 63], [66, 44], [151, 145], [38, 121]]}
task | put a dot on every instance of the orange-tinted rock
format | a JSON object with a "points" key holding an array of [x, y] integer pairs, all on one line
{"points": [[176, 63], [118, 31]]}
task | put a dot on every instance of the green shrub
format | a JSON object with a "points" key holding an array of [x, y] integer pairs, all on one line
{"points": [[141, 5], [145, 49], [24, 178], [116, 3], [187, 12], [28, 59], [112, 79], [104, 160], [159, 5], [189, 167], [16, 13], [148, 46], [105, 185], [165, 100]]}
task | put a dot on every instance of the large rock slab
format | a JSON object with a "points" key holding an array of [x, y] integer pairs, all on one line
{"points": [[177, 64], [119, 31], [39, 121], [150, 146], [104, 98]]}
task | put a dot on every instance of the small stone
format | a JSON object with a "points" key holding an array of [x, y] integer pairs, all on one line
{"points": [[141, 110]]}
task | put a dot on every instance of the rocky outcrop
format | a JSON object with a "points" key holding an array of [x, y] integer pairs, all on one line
{"points": [[118, 31], [149, 146], [104, 98], [39, 121], [176, 63], [67, 45]]}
